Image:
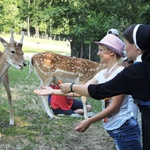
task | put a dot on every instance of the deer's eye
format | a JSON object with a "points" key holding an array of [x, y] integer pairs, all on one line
{"points": [[13, 52]]}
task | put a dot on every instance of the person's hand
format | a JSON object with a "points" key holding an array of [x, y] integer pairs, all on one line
{"points": [[65, 87], [82, 126], [44, 91]]}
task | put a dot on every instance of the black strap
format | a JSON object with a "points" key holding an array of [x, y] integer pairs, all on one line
{"points": [[71, 87]]}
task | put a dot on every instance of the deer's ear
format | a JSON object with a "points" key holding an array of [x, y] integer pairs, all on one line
{"points": [[20, 45], [4, 43]]}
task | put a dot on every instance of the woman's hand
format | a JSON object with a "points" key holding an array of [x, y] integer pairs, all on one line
{"points": [[44, 91], [65, 87], [83, 125]]}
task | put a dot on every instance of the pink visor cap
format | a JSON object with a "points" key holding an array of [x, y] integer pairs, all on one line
{"points": [[114, 43]]}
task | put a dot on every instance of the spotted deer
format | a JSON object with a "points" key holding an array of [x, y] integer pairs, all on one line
{"points": [[11, 56], [51, 67]]}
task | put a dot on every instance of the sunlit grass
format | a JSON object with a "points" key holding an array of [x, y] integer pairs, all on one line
{"points": [[33, 129], [36, 45], [32, 125]]}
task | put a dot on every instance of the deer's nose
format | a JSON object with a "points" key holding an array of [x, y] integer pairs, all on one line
{"points": [[24, 64]]}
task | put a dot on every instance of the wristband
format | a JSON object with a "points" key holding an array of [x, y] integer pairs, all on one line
{"points": [[71, 87]]}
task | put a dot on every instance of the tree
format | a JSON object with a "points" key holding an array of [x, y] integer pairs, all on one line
{"points": [[8, 13], [81, 21], [145, 13]]}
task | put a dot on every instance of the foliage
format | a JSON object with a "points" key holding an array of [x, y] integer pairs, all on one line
{"points": [[80, 21], [145, 13], [8, 12]]}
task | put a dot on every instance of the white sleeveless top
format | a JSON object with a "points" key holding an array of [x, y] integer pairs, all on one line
{"points": [[117, 119]]}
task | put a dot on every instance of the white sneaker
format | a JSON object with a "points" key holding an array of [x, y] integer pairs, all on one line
{"points": [[75, 115], [61, 115], [91, 114]]}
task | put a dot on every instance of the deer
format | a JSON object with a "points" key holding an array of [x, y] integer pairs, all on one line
{"points": [[11, 56], [51, 67]]}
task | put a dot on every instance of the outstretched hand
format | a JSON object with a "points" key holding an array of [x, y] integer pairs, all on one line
{"points": [[44, 91], [83, 125]]}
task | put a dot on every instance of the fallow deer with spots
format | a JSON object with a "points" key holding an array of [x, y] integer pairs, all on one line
{"points": [[51, 67], [11, 56]]}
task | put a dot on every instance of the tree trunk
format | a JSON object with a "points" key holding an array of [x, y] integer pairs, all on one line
{"points": [[28, 26], [28, 21], [89, 51], [37, 31]]}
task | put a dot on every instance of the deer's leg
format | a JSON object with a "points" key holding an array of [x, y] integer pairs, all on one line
{"points": [[44, 99], [7, 88], [46, 107], [83, 99]]}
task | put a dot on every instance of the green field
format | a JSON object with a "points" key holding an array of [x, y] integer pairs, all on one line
{"points": [[33, 129], [36, 45]]}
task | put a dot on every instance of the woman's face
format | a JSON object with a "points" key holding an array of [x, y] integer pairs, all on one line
{"points": [[104, 53], [131, 50]]}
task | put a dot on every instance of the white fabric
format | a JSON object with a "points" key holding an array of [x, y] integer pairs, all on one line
{"points": [[120, 117], [134, 35], [139, 58], [133, 108]]}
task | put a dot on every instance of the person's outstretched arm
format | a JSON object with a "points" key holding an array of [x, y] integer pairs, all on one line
{"points": [[118, 85], [49, 91], [80, 89], [110, 110]]}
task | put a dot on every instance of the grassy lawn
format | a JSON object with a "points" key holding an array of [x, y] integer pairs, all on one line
{"points": [[36, 45], [33, 129]]}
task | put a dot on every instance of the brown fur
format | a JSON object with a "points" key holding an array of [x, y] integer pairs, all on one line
{"points": [[12, 55], [51, 68]]}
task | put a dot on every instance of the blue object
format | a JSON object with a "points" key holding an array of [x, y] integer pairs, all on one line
{"points": [[49, 99]]}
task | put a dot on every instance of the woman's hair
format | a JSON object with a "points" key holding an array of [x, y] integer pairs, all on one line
{"points": [[128, 34]]}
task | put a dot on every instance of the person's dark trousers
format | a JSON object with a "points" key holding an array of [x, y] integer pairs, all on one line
{"points": [[145, 113]]}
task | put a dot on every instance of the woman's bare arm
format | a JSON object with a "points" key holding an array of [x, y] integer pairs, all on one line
{"points": [[80, 89], [49, 91], [115, 106]]}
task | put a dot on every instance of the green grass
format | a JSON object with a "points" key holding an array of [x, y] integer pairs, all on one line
{"points": [[32, 125], [33, 129], [36, 45]]}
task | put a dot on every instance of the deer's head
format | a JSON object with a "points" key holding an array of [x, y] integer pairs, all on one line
{"points": [[13, 52]]}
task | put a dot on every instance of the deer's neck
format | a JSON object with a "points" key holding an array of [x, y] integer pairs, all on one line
{"points": [[4, 65]]}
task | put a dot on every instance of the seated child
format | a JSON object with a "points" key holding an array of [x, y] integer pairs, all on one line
{"points": [[66, 105]]}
